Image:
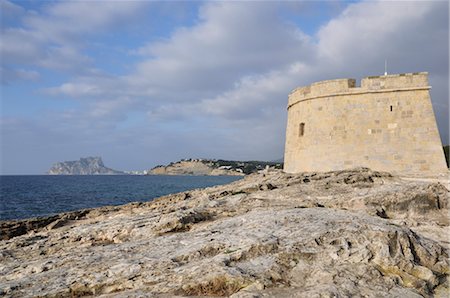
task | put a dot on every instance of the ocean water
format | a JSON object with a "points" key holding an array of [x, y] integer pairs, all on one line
{"points": [[31, 196]]}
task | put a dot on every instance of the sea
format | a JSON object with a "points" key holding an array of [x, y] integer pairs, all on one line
{"points": [[42, 195]]}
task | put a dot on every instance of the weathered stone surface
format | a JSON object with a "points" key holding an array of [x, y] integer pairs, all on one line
{"points": [[387, 123], [337, 234]]}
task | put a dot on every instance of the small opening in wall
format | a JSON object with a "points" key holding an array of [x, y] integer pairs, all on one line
{"points": [[391, 108], [301, 129]]}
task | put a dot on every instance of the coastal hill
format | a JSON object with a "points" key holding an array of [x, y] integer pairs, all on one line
{"points": [[212, 167], [84, 166], [351, 233]]}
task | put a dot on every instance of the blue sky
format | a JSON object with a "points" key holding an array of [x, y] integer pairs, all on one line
{"points": [[142, 83]]}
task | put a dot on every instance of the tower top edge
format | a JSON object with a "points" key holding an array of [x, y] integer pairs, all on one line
{"points": [[370, 83]]}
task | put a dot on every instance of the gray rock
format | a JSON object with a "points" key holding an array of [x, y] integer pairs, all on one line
{"points": [[305, 235], [84, 166]]}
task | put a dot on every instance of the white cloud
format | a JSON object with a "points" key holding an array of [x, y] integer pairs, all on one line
{"points": [[66, 22], [368, 28], [75, 90], [231, 43], [241, 58], [65, 58], [405, 33], [9, 10], [9, 75], [219, 88], [55, 37], [94, 86], [230, 40], [18, 46], [252, 94], [234, 41]]}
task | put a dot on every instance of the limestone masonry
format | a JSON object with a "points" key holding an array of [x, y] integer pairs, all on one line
{"points": [[386, 124]]}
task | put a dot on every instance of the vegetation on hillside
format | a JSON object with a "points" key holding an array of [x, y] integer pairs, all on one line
{"points": [[247, 167]]}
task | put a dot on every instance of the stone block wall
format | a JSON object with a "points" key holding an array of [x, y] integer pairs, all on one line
{"points": [[386, 124]]}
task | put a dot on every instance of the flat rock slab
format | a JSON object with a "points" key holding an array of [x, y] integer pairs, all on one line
{"points": [[338, 234]]}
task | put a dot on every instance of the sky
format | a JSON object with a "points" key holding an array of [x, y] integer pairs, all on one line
{"points": [[143, 83]]}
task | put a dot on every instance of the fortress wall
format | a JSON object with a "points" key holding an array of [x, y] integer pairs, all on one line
{"points": [[391, 129], [406, 80], [332, 86], [321, 88]]}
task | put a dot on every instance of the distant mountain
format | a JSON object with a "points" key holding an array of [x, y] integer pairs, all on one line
{"points": [[84, 166]]}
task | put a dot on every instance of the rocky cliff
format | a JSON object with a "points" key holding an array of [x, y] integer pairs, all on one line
{"points": [[84, 166], [212, 167], [353, 233]]}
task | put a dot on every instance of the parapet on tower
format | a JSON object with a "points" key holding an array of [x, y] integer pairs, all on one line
{"points": [[387, 124]]}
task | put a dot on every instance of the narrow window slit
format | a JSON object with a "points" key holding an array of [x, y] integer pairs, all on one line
{"points": [[301, 129]]}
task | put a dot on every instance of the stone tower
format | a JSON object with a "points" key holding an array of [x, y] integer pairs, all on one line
{"points": [[387, 124]]}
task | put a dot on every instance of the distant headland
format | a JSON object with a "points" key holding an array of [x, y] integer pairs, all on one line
{"points": [[84, 166], [213, 167], [190, 167]]}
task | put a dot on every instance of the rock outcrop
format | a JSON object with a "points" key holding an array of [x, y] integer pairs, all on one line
{"points": [[84, 166], [338, 234]]}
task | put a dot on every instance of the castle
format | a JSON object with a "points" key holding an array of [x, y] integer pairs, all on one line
{"points": [[387, 124]]}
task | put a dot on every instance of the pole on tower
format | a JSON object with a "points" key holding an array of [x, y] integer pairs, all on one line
{"points": [[385, 67]]}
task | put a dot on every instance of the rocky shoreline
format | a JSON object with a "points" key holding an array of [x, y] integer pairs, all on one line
{"points": [[346, 233]]}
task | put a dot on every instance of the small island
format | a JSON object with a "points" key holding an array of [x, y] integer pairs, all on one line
{"points": [[84, 166]]}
